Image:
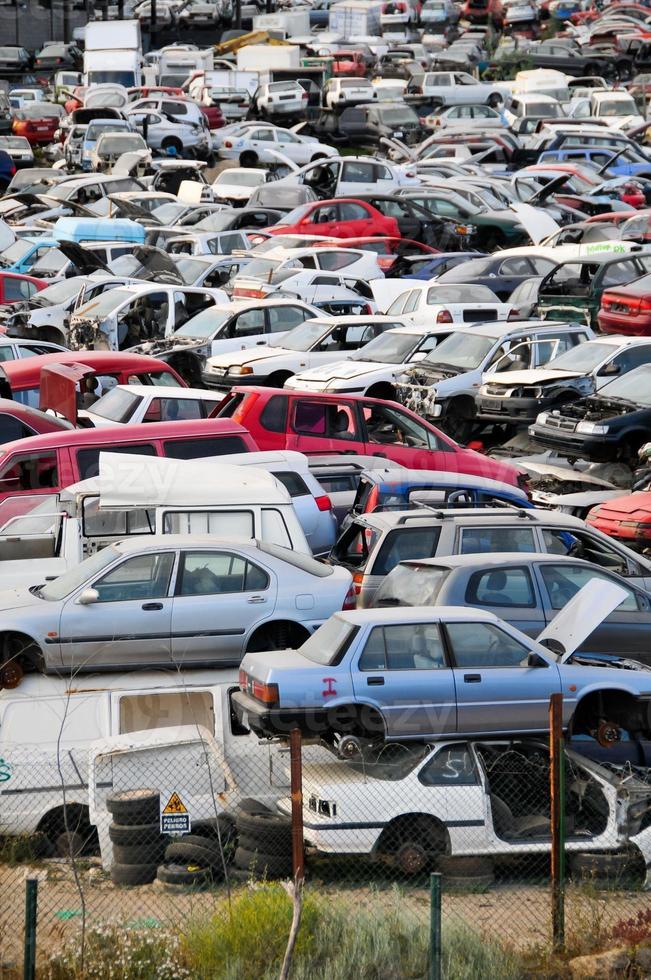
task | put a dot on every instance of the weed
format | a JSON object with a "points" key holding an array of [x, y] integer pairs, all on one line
{"points": [[115, 952], [633, 931]]}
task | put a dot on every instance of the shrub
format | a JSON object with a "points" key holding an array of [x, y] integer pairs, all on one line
{"points": [[114, 952]]}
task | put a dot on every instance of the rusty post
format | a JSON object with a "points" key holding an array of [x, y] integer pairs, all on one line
{"points": [[296, 768], [557, 817]]}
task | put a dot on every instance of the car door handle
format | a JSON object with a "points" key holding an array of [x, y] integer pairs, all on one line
{"points": [[472, 678], [256, 598], [381, 455], [376, 681], [152, 605]]}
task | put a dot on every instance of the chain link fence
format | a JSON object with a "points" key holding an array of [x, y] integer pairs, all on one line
{"points": [[165, 822]]}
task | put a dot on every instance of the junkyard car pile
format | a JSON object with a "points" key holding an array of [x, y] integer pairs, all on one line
{"points": [[326, 380]]}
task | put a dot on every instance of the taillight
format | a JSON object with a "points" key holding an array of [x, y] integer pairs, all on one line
{"points": [[444, 316], [350, 602], [324, 502], [267, 693], [358, 581], [228, 144], [373, 501], [242, 680], [514, 314]]}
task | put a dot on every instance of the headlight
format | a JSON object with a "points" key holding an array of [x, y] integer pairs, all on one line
{"points": [[591, 429], [240, 369], [532, 392], [542, 418]]}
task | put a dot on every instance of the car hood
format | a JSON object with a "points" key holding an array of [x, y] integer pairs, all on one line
{"points": [[250, 356], [637, 505], [535, 376], [536, 222], [581, 616], [343, 370], [11, 599]]}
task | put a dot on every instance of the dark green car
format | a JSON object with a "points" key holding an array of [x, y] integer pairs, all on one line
{"points": [[495, 229], [572, 291]]}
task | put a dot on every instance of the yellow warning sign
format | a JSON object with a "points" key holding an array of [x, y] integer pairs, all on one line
{"points": [[175, 805]]}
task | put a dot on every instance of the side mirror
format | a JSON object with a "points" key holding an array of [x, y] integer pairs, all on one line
{"points": [[420, 355], [535, 660], [88, 596]]}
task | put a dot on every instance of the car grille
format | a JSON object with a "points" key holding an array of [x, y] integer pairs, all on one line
{"points": [[560, 422], [498, 390]]}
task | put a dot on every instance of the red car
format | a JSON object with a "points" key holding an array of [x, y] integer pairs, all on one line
{"points": [[342, 218], [38, 123], [18, 421], [214, 116], [627, 309], [627, 518], [15, 288], [388, 250], [347, 64], [318, 424]]}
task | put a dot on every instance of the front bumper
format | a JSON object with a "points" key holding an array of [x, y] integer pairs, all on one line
{"points": [[509, 409], [224, 382], [599, 449]]}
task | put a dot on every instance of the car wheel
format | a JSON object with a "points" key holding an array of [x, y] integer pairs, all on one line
{"points": [[411, 858], [248, 159], [605, 867], [186, 875], [70, 844], [172, 141]]}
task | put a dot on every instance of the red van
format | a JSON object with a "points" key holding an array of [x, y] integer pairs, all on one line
{"points": [[42, 465], [316, 424], [21, 379]]}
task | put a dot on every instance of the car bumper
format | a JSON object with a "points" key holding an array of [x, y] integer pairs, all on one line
{"points": [[492, 408], [619, 323], [217, 382], [268, 721], [601, 449]]}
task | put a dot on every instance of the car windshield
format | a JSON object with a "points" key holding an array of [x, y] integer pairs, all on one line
{"points": [[191, 269], [388, 348], [122, 143], [461, 351], [398, 116], [50, 263], [391, 761], [411, 585], [582, 358], [168, 213], [105, 303], [247, 179], [58, 292], [635, 386], [217, 221], [618, 107], [14, 142], [301, 338], [16, 251], [117, 405], [324, 647], [204, 324], [467, 293], [75, 577]]}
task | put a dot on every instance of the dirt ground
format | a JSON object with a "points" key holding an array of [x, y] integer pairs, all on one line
{"points": [[519, 914]]}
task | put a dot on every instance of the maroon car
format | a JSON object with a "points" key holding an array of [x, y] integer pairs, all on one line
{"points": [[627, 309], [18, 421]]}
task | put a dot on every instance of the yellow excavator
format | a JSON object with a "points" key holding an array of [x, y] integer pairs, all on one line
{"points": [[253, 37]]}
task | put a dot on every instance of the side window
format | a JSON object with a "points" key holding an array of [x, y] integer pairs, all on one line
{"points": [[141, 712], [517, 266], [198, 448], [282, 318], [293, 483], [404, 647], [404, 543], [618, 273], [580, 544], [330, 419], [17, 289], [562, 582], [633, 357], [137, 578], [37, 471], [336, 260], [488, 540], [390, 426], [12, 428], [219, 573], [248, 324], [382, 172], [88, 459], [177, 409], [412, 301], [501, 587], [226, 243], [352, 212], [485, 645], [273, 417], [450, 767], [358, 172]]}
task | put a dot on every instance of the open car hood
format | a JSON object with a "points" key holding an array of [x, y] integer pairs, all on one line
{"points": [[581, 616], [150, 264], [538, 224], [83, 260], [545, 192]]}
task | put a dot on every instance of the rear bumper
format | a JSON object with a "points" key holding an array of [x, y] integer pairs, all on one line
{"points": [[274, 722], [632, 326]]}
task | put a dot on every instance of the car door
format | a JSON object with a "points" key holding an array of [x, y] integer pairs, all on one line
{"points": [[220, 596], [624, 633], [323, 220], [511, 593], [128, 623], [403, 669], [324, 427], [388, 432], [356, 221], [496, 689]]}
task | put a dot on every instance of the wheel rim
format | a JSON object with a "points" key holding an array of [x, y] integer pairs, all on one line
{"points": [[608, 734], [411, 858], [11, 674]]}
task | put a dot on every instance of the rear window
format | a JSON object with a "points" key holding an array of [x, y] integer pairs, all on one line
{"points": [[406, 543], [88, 459], [293, 484], [198, 448], [227, 408], [305, 562]]}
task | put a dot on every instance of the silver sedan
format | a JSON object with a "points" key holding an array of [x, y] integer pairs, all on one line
{"points": [[184, 600]]}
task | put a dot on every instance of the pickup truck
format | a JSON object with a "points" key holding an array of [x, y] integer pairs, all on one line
{"points": [[457, 88]]}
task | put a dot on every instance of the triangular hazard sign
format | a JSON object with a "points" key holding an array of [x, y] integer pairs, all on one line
{"points": [[175, 805]]}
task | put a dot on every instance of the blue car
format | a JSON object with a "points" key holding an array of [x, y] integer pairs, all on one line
{"points": [[427, 266], [22, 254], [615, 163]]}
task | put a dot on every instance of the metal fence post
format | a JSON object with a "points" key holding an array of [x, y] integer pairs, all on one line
{"points": [[296, 769], [31, 896], [557, 816], [435, 927]]}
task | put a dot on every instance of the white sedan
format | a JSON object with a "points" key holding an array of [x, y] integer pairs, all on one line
{"points": [[161, 131], [236, 184], [256, 145], [131, 404]]}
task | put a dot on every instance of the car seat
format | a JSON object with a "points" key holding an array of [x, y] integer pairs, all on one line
{"points": [[495, 584], [512, 828]]}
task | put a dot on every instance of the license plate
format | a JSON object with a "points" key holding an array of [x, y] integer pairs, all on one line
{"points": [[398, 134], [42, 129]]}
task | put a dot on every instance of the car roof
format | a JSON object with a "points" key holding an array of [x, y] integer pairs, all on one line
{"points": [[154, 542], [498, 560], [22, 372], [439, 478], [386, 520], [416, 614]]}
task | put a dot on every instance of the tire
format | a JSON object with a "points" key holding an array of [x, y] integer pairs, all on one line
{"points": [[196, 850], [217, 828], [139, 833], [70, 843], [263, 864], [468, 882], [133, 874], [134, 806], [249, 805], [172, 141], [587, 865], [267, 845], [265, 824], [248, 159], [151, 852], [181, 874]]}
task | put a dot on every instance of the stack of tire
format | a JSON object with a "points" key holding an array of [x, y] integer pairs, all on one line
{"points": [[198, 860], [466, 873], [138, 845], [264, 841]]}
